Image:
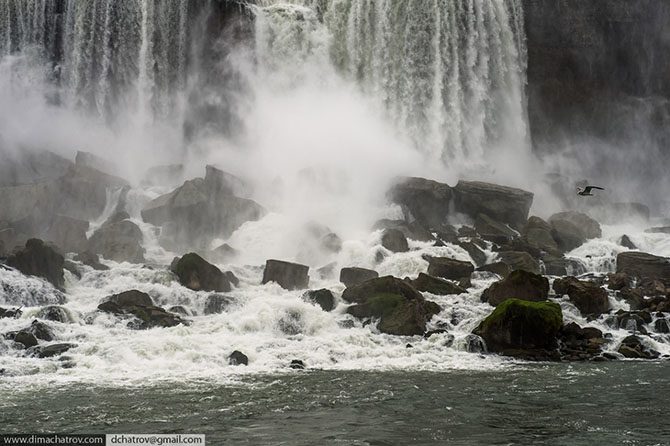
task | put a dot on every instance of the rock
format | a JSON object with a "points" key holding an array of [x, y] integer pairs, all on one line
{"points": [[180, 310], [435, 285], [87, 159], [588, 297], [49, 351], [520, 260], [520, 285], [633, 347], [323, 298], [537, 233], [413, 230], [560, 266], [643, 265], [290, 276], [634, 321], [658, 230], [423, 200], [140, 305], [91, 259], [297, 364], [618, 281], [353, 275], [120, 242], [291, 323], [447, 268], [401, 309], [200, 210], [217, 303], [31, 167], [197, 274], [661, 326], [26, 338], [627, 243], [232, 278], [475, 251], [331, 242], [39, 259], [11, 240], [500, 268], [579, 343], [492, 230], [68, 233], [238, 358], [394, 240], [73, 268], [567, 235], [117, 217], [503, 204], [521, 328], [14, 313], [222, 254], [327, 271], [589, 227], [41, 331]]}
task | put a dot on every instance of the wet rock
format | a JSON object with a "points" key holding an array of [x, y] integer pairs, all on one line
{"points": [[197, 274], [447, 268], [49, 351], [331, 242], [25, 338], [560, 266], [400, 308], [394, 240], [523, 329], [117, 217], [626, 242], [68, 233], [537, 233], [661, 326], [290, 276], [588, 297], [327, 271], [643, 265], [91, 259], [412, 231], [577, 343], [500, 268], [297, 364], [13, 313], [633, 347], [633, 321], [521, 285], [291, 323], [588, 227], [503, 204], [567, 235], [180, 310], [423, 200], [41, 331], [435, 285], [72, 268], [475, 251], [11, 240], [39, 259], [351, 276], [232, 278], [55, 313], [223, 254], [492, 230], [238, 358], [474, 344], [618, 281], [217, 304], [120, 242], [520, 260], [140, 305], [430, 333], [323, 298]]}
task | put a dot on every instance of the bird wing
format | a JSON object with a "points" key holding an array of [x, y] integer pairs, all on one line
{"points": [[588, 189]]}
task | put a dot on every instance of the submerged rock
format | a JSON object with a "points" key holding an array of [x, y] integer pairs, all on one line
{"points": [[447, 268], [401, 309], [197, 274], [217, 304], [351, 276], [323, 298], [435, 285], [523, 329], [290, 276], [519, 284], [394, 240], [39, 259], [588, 297]]}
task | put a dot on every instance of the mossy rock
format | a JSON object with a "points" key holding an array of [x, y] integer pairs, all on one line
{"points": [[519, 324]]}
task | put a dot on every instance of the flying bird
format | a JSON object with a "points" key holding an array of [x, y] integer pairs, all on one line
{"points": [[586, 191]]}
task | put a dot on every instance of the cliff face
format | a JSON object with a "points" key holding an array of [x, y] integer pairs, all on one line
{"points": [[598, 68]]}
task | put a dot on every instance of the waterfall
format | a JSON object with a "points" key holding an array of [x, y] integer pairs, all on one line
{"points": [[450, 74]]}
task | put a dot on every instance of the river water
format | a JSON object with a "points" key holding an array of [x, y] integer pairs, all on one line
{"points": [[619, 403]]}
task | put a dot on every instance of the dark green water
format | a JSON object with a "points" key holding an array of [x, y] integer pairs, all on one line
{"points": [[623, 403]]}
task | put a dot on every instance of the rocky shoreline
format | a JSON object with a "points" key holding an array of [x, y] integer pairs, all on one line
{"points": [[50, 222]]}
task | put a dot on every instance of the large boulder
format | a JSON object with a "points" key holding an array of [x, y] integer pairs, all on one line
{"points": [[571, 227], [394, 240], [588, 297], [435, 285], [31, 167], [140, 305], [120, 241], [643, 265], [68, 233], [447, 268], [323, 298], [490, 229], [423, 200], [290, 276], [519, 284], [39, 259], [537, 234], [196, 273], [522, 328], [351, 276], [401, 309], [200, 210], [635, 348], [520, 260], [501, 203]]}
